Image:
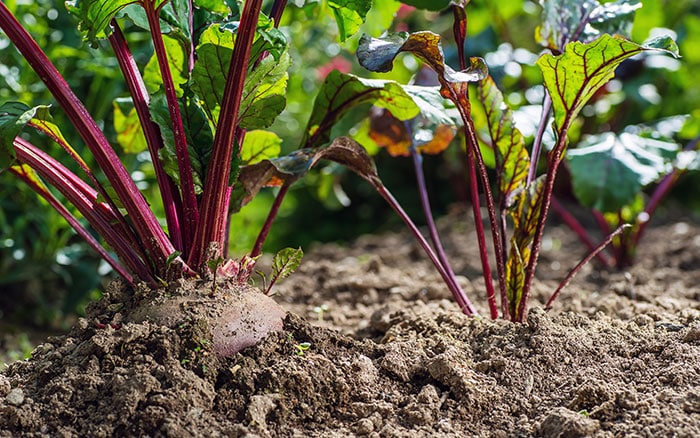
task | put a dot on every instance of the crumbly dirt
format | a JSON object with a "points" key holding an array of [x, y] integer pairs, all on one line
{"points": [[374, 346]]}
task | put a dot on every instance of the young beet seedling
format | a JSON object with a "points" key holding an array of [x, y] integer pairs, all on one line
{"points": [[216, 79], [583, 58]]}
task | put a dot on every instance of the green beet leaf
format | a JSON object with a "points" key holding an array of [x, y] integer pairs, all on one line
{"points": [[198, 134], [260, 145], [573, 77], [264, 93], [264, 89], [14, 116], [284, 263], [349, 15], [215, 6], [128, 127], [340, 92], [177, 62], [511, 157], [95, 15], [609, 170]]}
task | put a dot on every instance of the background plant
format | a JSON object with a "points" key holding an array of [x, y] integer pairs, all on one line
{"points": [[584, 59]]}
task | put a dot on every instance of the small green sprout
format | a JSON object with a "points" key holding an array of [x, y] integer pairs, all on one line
{"points": [[319, 310], [302, 347]]}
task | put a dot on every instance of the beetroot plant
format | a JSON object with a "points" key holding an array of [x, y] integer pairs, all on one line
{"points": [[216, 79], [584, 44]]}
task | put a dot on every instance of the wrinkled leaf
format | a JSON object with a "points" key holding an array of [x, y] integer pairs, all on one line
{"points": [[264, 88], [608, 170], [573, 77], [378, 54], [349, 15], [264, 93], [260, 145], [565, 21], [128, 127], [95, 15], [13, 117], [340, 92], [198, 134], [511, 157]]}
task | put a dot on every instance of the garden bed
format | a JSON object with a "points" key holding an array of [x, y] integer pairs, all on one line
{"points": [[374, 344]]}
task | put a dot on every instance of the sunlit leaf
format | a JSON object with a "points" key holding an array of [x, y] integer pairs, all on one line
{"points": [[349, 15], [608, 170], [512, 160], [264, 93], [573, 77], [284, 263], [378, 54], [264, 89], [564, 21], [128, 127], [177, 63], [14, 116], [433, 106], [216, 6], [260, 145], [340, 92]]}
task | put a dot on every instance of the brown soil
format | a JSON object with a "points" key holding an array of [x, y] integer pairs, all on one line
{"points": [[384, 351]]}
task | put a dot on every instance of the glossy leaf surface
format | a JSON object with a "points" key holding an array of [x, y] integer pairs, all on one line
{"points": [[378, 54], [609, 170], [583, 20]]}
